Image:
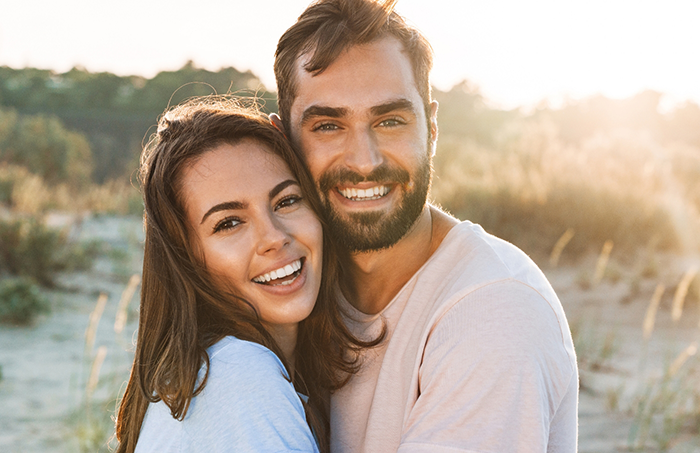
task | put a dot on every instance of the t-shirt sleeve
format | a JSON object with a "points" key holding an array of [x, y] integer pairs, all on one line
{"points": [[494, 374], [247, 405]]}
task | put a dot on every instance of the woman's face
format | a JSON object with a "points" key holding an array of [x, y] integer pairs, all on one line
{"points": [[258, 236]]}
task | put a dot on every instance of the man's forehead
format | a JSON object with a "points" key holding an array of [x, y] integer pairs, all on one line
{"points": [[363, 75], [305, 56]]}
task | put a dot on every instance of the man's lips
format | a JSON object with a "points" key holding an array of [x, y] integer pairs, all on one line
{"points": [[365, 194], [342, 178]]}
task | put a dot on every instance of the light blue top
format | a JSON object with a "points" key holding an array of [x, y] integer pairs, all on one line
{"points": [[247, 405]]}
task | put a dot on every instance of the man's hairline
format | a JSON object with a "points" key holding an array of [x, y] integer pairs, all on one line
{"points": [[384, 35]]}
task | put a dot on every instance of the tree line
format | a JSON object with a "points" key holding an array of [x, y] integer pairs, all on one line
{"points": [[90, 126]]}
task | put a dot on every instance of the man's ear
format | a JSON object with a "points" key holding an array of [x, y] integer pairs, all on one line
{"points": [[277, 122], [433, 127]]}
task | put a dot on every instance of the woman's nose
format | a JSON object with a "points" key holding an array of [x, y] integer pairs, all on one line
{"points": [[272, 235]]}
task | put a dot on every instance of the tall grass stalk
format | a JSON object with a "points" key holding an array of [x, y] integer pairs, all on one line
{"points": [[602, 263], [650, 317], [95, 373], [90, 430], [123, 307], [94, 321], [683, 357], [681, 292], [559, 247], [648, 326]]}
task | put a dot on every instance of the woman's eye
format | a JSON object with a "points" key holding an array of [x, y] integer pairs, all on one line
{"points": [[288, 201], [227, 224]]}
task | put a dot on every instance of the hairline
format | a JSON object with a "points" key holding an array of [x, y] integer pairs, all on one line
{"points": [[307, 53]]}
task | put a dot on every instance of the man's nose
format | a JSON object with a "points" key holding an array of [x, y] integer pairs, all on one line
{"points": [[362, 153], [272, 234]]}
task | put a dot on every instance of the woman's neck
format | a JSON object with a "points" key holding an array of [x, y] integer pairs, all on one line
{"points": [[285, 335]]}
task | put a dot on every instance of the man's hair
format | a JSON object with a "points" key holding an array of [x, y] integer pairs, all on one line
{"points": [[328, 27]]}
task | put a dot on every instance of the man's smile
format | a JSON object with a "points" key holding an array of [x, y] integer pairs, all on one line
{"points": [[370, 193]]}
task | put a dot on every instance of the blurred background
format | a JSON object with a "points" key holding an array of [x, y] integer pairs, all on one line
{"points": [[571, 129]]}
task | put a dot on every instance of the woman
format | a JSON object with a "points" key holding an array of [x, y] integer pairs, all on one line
{"points": [[235, 311]]}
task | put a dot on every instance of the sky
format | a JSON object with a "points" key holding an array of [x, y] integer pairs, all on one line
{"points": [[516, 52]]}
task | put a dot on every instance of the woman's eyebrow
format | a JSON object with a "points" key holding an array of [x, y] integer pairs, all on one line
{"points": [[234, 205], [281, 186], [228, 205]]}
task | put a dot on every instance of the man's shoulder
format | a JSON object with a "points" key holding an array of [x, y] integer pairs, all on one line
{"points": [[468, 254], [468, 261]]}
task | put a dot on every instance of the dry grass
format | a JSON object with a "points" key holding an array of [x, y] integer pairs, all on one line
{"points": [[94, 425], [650, 318], [531, 187], [27, 193]]}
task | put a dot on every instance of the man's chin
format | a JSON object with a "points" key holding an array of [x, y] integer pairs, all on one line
{"points": [[368, 231], [377, 229]]}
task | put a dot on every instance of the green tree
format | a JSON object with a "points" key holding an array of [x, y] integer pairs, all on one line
{"points": [[44, 146]]}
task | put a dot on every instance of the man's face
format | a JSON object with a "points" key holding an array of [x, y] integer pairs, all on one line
{"points": [[362, 127]]}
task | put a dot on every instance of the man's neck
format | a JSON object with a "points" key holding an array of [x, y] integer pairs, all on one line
{"points": [[376, 277]]}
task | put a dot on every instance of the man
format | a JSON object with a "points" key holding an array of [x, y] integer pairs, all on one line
{"points": [[478, 354]]}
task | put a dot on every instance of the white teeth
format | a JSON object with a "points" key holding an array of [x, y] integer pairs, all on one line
{"points": [[282, 272], [372, 193]]}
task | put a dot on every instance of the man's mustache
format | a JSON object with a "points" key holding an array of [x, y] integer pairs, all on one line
{"points": [[381, 174]]}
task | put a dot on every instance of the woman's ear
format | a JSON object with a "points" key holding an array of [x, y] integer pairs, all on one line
{"points": [[276, 121]]}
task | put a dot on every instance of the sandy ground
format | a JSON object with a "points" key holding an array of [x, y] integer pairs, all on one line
{"points": [[45, 367]]}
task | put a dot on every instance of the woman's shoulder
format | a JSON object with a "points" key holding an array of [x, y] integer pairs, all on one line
{"points": [[247, 401], [243, 376], [233, 355]]}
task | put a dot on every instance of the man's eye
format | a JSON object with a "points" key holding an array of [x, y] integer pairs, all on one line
{"points": [[227, 224], [325, 127], [392, 122], [288, 201]]}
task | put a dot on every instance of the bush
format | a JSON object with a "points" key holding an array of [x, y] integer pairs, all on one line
{"points": [[43, 145], [30, 249], [20, 301]]}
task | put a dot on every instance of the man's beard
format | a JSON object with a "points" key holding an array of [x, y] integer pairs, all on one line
{"points": [[371, 231]]}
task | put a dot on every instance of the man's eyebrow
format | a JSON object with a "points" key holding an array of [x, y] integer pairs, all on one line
{"points": [[228, 205], [320, 110], [398, 104]]}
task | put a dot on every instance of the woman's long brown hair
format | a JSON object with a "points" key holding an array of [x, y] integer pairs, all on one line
{"points": [[182, 313]]}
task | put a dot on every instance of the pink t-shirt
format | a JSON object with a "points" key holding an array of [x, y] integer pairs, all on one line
{"points": [[478, 358]]}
